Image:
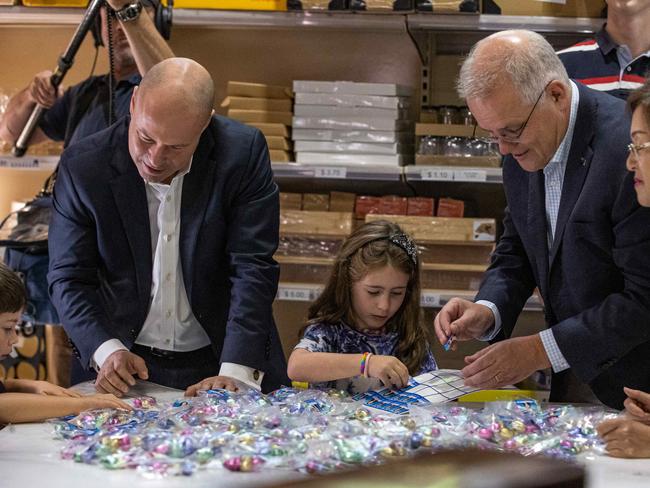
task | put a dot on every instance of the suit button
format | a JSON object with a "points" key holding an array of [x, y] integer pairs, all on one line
{"points": [[256, 375], [133, 333]]}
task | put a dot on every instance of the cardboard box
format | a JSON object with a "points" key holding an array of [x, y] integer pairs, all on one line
{"points": [[436, 229], [449, 207], [315, 224], [278, 142], [342, 100], [342, 201], [233, 4], [365, 205], [336, 111], [393, 205], [290, 201], [257, 90], [269, 129], [421, 206], [568, 8], [250, 103], [328, 135], [261, 116], [316, 201], [352, 88], [278, 156], [353, 123]]}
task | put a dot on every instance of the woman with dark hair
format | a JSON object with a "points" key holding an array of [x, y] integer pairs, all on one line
{"points": [[629, 436]]}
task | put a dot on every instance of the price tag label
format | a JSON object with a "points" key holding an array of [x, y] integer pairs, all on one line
{"points": [[296, 294], [470, 175], [337, 172], [435, 174], [430, 300]]}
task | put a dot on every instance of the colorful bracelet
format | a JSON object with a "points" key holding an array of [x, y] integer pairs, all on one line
{"points": [[367, 367], [362, 364]]}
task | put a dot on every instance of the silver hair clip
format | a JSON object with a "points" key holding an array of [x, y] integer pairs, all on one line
{"points": [[407, 244]]}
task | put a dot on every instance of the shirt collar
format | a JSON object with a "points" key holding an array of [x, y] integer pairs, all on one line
{"points": [[605, 43], [163, 188], [559, 159]]}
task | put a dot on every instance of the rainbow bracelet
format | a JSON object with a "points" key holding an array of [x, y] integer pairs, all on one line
{"points": [[362, 365]]}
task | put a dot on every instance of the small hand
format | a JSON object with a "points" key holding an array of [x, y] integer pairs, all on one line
{"points": [[463, 319], [625, 437], [41, 90], [47, 388], [391, 371], [104, 401], [213, 383], [116, 374], [637, 404], [505, 363]]}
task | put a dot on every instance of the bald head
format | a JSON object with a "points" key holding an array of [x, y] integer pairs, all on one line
{"points": [[181, 84], [520, 59]]}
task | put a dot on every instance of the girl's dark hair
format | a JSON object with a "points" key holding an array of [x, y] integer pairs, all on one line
{"points": [[641, 98], [12, 291], [366, 249]]}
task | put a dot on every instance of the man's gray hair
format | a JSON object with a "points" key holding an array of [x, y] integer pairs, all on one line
{"points": [[530, 67]]}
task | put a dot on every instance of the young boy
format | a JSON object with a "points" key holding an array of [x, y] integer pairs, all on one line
{"points": [[29, 400]]}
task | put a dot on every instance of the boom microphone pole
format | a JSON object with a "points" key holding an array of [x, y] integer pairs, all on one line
{"points": [[66, 61]]}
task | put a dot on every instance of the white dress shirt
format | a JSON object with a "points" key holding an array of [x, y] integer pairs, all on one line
{"points": [[170, 323]]}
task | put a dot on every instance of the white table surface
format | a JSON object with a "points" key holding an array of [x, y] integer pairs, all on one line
{"points": [[29, 457]]}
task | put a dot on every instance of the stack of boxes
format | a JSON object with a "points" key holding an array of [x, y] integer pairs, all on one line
{"points": [[341, 122], [266, 107]]}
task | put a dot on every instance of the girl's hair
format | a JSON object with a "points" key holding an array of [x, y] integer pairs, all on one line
{"points": [[373, 246], [641, 98]]}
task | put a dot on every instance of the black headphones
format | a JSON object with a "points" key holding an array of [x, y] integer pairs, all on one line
{"points": [[162, 20]]}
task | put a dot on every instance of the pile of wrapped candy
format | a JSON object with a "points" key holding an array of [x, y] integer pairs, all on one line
{"points": [[310, 431]]}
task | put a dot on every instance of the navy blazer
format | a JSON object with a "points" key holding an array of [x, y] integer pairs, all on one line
{"points": [[595, 282], [100, 245]]}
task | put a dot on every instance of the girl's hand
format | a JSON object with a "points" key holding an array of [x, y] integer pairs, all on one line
{"points": [[637, 404], [390, 370], [104, 400], [47, 388]]}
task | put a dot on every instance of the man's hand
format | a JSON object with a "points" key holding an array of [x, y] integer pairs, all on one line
{"points": [[505, 362], [637, 404], [213, 383], [463, 319], [625, 438], [391, 371], [41, 90], [116, 374]]}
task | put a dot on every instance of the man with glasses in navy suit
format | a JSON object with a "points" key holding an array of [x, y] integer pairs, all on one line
{"points": [[572, 228]]}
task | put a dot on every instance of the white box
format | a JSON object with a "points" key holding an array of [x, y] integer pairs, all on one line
{"points": [[352, 147], [352, 136], [364, 159], [352, 88], [355, 123], [351, 100], [333, 111]]}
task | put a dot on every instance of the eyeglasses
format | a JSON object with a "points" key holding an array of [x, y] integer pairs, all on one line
{"points": [[633, 149], [513, 136]]}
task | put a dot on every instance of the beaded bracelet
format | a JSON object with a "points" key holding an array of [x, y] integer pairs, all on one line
{"points": [[362, 364]]}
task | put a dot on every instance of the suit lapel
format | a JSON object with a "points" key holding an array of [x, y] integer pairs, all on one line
{"points": [[537, 226], [577, 167], [197, 190], [131, 201]]}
